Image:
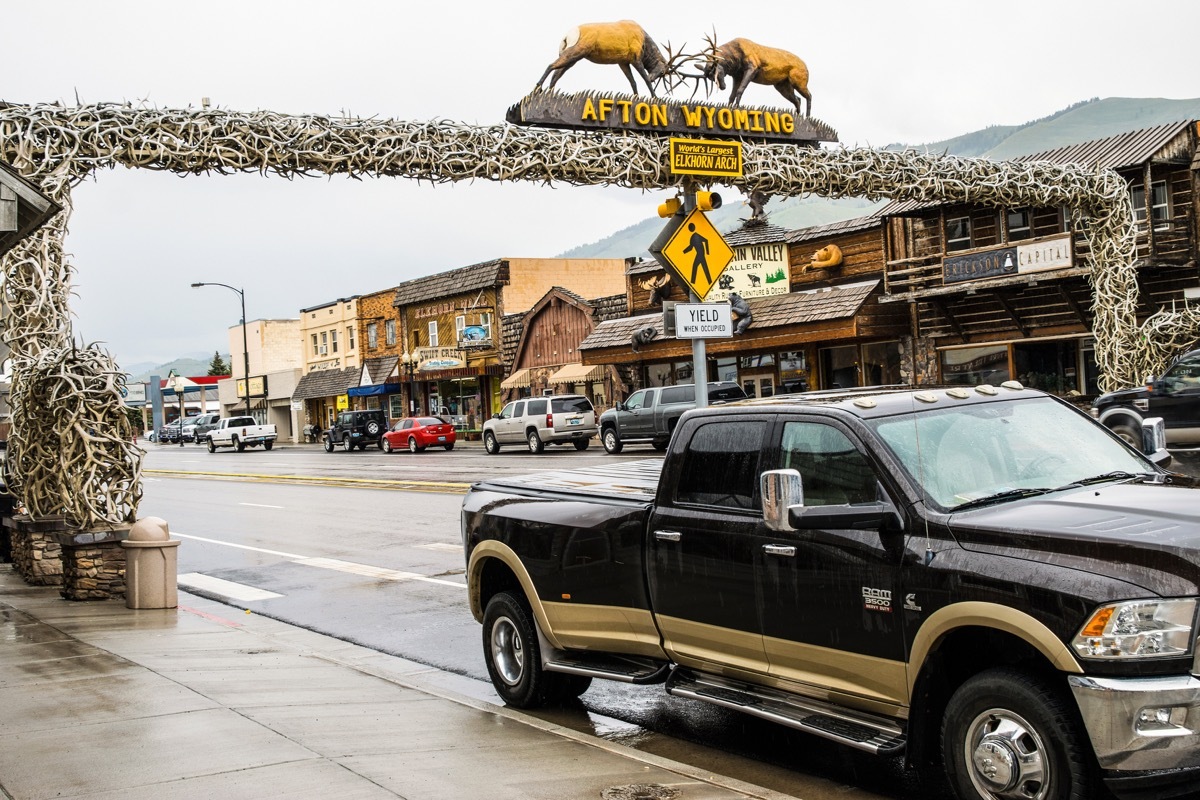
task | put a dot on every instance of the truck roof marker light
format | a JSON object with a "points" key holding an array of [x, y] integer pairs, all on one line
{"points": [[864, 402], [958, 394], [988, 389], [926, 397], [1013, 385]]}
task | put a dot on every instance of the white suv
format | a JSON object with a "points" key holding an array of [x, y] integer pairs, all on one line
{"points": [[539, 421]]}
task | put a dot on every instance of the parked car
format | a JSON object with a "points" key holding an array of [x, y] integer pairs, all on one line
{"points": [[539, 421], [417, 433], [358, 429], [197, 430], [169, 433], [650, 415], [1175, 397]]}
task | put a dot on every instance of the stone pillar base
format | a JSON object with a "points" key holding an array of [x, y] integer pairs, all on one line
{"points": [[93, 563], [36, 553]]}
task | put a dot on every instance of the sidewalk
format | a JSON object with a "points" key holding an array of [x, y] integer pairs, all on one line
{"points": [[99, 701]]}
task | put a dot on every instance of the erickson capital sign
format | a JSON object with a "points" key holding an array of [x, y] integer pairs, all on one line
{"points": [[601, 111]]}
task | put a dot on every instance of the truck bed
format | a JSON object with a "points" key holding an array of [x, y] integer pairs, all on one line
{"points": [[629, 480]]}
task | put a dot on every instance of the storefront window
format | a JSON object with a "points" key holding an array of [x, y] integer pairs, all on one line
{"points": [[1049, 366], [684, 371], [958, 234], [793, 372], [459, 402], [975, 365], [1091, 370], [881, 363], [658, 375], [757, 361], [395, 406], [727, 369], [839, 366]]}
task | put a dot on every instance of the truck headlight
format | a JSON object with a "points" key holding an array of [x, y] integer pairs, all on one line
{"points": [[1138, 629]]}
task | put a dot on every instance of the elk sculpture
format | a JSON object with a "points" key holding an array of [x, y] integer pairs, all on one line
{"points": [[747, 62], [623, 43], [659, 288]]}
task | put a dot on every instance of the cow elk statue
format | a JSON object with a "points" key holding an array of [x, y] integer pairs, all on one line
{"points": [[623, 43], [747, 62]]}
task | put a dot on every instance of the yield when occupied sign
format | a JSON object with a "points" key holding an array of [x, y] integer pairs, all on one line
{"points": [[703, 320]]}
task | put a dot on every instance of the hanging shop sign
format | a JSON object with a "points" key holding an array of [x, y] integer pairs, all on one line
{"points": [[423, 354], [258, 386], [343, 402], [706, 157], [622, 112], [440, 363], [757, 270]]}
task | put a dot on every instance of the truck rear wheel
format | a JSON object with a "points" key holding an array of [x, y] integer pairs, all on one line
{"points": [[534, 441], [510, 648], [611, 441], [1008, 733], [268, 445], [238, 444]]}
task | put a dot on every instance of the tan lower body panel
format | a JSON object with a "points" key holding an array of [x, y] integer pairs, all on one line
{"points": [[843, 674], [610, 629], [695, 643]]}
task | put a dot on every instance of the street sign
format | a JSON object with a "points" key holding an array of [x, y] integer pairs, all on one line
{"points": [[694, 251], [703, 320], [706, 157]]}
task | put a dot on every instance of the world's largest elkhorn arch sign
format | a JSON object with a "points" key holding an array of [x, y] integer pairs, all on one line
{"points": [[70, 452]]}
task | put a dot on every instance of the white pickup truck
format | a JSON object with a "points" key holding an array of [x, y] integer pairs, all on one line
{"points": [[240, 432]]}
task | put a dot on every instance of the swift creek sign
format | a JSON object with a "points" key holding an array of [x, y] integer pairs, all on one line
{"points": [[600, 111]]}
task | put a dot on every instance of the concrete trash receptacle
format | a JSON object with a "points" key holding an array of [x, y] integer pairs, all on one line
{"points": [[150, 565]]}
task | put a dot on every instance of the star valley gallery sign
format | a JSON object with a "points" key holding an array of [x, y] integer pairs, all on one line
{"points": [[757, 270]]}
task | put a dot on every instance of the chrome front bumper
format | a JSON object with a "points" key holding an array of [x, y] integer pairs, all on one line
{"points": [[1141, 724]]}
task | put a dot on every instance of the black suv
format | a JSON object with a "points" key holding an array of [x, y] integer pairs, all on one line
{"points": [[1175, 397], [358, 429]]}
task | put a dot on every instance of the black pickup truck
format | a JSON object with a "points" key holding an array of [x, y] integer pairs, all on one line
{"points": [[928, 573], [1175, 397]]}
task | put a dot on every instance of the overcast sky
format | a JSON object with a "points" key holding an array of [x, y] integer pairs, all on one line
{"points": [[881, 72]]}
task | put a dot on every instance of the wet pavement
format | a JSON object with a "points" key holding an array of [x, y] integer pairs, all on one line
{"points": [[101, 701]]}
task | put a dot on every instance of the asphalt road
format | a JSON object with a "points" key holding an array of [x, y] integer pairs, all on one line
{"points": [[384, 568]]}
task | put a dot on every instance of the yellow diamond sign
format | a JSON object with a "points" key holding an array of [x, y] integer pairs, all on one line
{"points": [[696, 253]]}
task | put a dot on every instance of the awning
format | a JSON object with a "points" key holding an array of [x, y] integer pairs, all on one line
{"points": [[373, 390], [518, 378], [577, 373]]}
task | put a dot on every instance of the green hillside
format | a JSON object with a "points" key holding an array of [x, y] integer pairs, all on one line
{"points": [[1081, 122]]}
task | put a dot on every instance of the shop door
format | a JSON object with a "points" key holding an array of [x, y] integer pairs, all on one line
{"points": [[758, 384]]}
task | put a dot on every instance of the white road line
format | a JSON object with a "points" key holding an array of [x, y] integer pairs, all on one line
{"points": [[368, 571], [331, 563], [234, 591], [258, 505], [442, 546]]}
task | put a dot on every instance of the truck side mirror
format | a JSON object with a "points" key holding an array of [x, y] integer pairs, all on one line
{"points": [[780, 490], [619, 406], [1154, 441], [864, 517]]}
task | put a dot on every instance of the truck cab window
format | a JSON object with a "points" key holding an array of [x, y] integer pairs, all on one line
{"points": [[721, 468], [833, 470]]}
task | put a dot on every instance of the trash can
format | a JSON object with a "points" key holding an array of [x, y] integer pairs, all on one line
{"points": [[150, 565]]}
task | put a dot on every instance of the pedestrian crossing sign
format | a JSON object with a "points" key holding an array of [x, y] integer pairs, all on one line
{"points": [[694, 252]]}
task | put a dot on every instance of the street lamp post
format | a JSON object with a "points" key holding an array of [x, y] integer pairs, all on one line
{"points": [[409, 361], [178, 384], [245, 345]]}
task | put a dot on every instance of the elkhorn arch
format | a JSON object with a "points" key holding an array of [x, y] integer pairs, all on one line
{"points": [[70, 453]]}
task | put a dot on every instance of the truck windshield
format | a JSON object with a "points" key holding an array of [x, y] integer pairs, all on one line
{"points": [[961, 454]]}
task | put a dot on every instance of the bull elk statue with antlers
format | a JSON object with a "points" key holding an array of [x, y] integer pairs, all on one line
{"points": [[747, 62], [623, 43]]}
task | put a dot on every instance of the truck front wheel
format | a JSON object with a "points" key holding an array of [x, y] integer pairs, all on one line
{"points": [[328, 445], [1009, 734], [212, 448], [510, 647], [1131, 435], [611, 441]]}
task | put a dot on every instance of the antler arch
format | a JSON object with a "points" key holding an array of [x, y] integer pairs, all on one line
{"points": [[59, 146]]}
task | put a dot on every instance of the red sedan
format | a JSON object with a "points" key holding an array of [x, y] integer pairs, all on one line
{"points": [[417, 433]]}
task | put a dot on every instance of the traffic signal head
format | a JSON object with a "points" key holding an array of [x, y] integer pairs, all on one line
{"points": [[670, 208], [708, 201]]}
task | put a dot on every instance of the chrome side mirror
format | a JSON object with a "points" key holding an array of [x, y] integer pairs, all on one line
{"points": [[1154, 440], [780, 490]]}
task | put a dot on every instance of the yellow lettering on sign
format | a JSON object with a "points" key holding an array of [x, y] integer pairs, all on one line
{"points": [[756, 121], [660, 117], [606, 105], [589, 111], [772, 121], [725, 119], [709, 113], [691, 117], [641, 113], [624, 106], [788, 123]]}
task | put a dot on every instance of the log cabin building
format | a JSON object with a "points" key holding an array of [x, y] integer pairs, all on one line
{"points": [[1000, 293]]}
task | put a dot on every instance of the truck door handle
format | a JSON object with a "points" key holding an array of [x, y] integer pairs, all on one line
{"points": [[779, 550], [668, 536]]}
